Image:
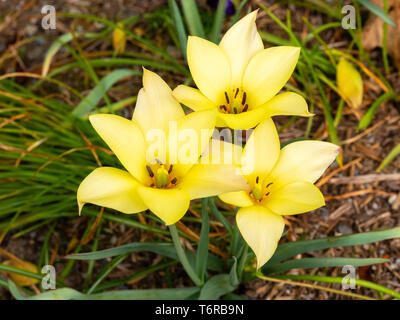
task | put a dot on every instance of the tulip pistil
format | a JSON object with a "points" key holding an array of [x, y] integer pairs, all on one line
{"points": [[161, 178], [259, 193], [234, 103]]}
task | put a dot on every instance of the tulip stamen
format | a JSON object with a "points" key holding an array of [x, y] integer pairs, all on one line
{"points": [[170, 169], [244, 98], [174, 180], [236, 93], [226, 97], [245, 108], [151, 174], [223, 107]]}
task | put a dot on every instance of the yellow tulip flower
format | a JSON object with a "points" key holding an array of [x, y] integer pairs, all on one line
{"points": [[281, 183], [165, 184], [240, 78]]}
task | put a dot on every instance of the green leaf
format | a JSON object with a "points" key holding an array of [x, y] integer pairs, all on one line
{"points": [[93, 98], [218, 20], [165, 249], [367, 117], [390, 157], [233, 275], [291, 249], [192, 18], [202, 249], [179, 26], [307, 263], [71, 294], [377, 11], [216, 287]]}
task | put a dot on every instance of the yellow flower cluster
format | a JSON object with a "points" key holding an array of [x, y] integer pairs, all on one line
{"points": [[162, 149]]}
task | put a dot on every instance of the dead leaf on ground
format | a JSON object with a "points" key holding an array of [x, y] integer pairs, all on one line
{"points": [[372, 36]]}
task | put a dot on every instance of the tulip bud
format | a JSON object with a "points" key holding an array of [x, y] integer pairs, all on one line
{"points": [[119, 39], [350, 82]]}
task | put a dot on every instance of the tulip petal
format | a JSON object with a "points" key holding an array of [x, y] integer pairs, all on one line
{"points": [[267, 72], [294, 198], [210, 68], [193, 136], [239, 198], [207, 180], [126, 140], [261, 229], [221, 152], [288, 103], [111, 188], [155, 105], [261, 151], [303, 161], [192, 98], [170, 205], [244, 120], [240, 43]]}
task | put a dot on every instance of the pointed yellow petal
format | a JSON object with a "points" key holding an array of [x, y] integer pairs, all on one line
{"points": [[267, 72], [288, 103], [303, 161], [294, 198], [170, 205], [239, 198], [261, 229], [155, 105], [192, 98], [261, 151], [193, 135], [221, 152], [207, 180], [244, 120], [240, 43], [350, 82], [210, 68], [112, 188], [126, 140]]}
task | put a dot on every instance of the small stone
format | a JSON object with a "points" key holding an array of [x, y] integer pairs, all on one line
{"points": [[344, 229]]}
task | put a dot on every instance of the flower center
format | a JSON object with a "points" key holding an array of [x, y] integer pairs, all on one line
{"points": [[162, 178], [235, 102], [259, 193]]}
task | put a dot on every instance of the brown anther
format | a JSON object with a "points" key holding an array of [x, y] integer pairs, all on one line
{"points": [[257, 179], [267, 194], [170, 169], [244, 98], [236, 93], [152, 185], [151, 174], [226, 97], [159, 162], [245, 108], [223, 107], [173, 181], [269, 184]]}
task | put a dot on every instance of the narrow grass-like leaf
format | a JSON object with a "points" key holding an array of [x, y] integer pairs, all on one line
{"points": [[192, 18], [390, 157], [202, 249], [218, 20], [216, 287], [72, 294], [179, 26], [93, 98], [307, 263], [377, 11], [291, 249], [368, 116]]}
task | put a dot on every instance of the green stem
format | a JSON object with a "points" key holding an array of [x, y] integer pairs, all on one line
{"points": [[220, 216], [182, 256]]}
